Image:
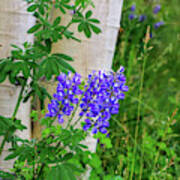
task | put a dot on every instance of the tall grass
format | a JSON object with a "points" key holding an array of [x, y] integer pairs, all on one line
{"points": [[146, 133]]}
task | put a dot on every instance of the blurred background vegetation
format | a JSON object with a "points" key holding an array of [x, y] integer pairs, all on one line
{"points": [[145, 134]]}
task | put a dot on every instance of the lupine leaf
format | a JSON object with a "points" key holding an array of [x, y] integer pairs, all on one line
{"points": [[34, 28], [88, 14], [32, 8]]}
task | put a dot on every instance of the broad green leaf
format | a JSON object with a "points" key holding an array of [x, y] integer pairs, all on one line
{"points": [[61, 172]]}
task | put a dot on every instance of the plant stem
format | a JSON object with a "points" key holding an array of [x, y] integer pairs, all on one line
{"points": [[13, 117], [77, 121], [164, 135], [142, 157], [139, 104], [73, 114]]}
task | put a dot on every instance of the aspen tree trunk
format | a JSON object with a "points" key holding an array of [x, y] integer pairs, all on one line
{"points": [[14, 23], [97, 52], [91, 54]]}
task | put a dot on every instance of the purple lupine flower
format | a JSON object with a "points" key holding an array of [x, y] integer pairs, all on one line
{"points": [[151, 35], [133, 8], [156, 9], [158, 24], [66, 96], [101, 97], [97, 102], [73, 11], [131, 16], [142, 18]]}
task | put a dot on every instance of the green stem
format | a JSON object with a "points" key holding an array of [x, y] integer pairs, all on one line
{"points": [[77, 121], [142, 157], [163, 138], [13, 117], [18, 102], [73, 114], [69, 24], [138, 117]]}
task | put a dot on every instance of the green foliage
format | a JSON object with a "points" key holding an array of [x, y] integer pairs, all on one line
{"points": [[27, 66], [57, 154], [153, 110]]}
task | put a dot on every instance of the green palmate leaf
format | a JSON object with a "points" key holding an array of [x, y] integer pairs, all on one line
{"points": [[66, 66], [32, 8], [34, 28], [19, 125], [61, 171], [54, 64], [5, 124], [74, 167], [88, 14]]}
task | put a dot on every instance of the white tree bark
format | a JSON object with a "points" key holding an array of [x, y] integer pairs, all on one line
{"points": [[95, 53], [14, 23]]}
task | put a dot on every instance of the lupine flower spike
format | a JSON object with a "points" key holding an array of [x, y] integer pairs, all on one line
{"points": [[133, 8], [158, 24], [156, 9], [98, 100]]}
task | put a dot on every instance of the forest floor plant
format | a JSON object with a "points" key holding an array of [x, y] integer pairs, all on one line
{"points": [[59, 153]]}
